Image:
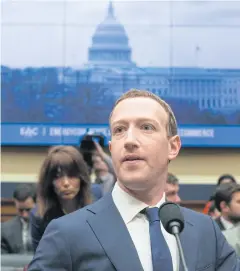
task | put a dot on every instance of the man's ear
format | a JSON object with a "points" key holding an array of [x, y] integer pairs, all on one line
{"points": [[110, 145], [223, 206], [174, 147]]}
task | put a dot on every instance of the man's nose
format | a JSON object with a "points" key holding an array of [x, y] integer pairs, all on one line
{"points": [[131, 140]]}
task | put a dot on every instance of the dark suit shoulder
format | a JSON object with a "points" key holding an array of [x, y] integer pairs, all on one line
{"points": [[196, 218], [220, 224], [11, 223], [79, 218], [189, 213], [204, 225]]}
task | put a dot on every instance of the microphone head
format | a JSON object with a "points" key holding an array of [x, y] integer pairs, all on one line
{"points": [[170, 215]]}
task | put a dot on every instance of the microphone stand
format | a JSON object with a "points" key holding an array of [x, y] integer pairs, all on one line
{"points": [[175, 231]]}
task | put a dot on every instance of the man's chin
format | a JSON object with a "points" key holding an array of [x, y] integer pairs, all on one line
{"points": [[133, 183], [235, 219]]}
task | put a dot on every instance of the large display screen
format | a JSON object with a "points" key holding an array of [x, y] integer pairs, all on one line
{"points": [[64, 64]]}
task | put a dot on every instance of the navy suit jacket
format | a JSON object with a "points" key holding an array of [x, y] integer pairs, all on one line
{"points": [[95, 238], [38, 225]]}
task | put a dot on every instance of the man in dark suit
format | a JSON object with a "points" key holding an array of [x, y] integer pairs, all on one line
{"points": [[122, 230], [15, 233], [227, 201]]}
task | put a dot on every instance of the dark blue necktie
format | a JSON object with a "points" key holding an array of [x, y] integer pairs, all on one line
{"points": [[161, 257]]}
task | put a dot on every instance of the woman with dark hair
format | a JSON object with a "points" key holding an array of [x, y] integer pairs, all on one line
{"points": [[63, 187]]}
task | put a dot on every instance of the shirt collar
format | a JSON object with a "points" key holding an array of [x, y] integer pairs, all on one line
{"points": [[227, 224], [24, 223], [127, 205]]}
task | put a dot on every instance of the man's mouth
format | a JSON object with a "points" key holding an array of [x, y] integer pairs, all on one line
{"points": [[132, 158]]}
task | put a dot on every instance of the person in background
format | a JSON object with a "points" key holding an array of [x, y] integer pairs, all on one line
{"points": [[172, 189], [227, 201], [233, 237], [103, 169], [63, 187], [15, 233], [213, 211], [225, 178]]}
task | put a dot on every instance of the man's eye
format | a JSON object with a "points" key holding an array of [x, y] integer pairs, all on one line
{"points": [[147, 127], [118, 130]]}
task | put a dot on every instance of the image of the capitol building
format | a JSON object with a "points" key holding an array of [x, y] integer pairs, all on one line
{"points": [[110, 64]]}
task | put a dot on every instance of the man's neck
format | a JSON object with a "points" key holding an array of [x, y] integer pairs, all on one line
{"points": [[24, 222], [226, 218], [227, 223], [149, 196]]}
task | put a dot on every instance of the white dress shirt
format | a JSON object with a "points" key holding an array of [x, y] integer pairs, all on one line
{"points": [[226, 224], [138, 227], [26, 236]]}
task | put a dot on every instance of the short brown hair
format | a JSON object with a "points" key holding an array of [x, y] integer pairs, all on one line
{"points": [[136, 93], [172, 179]]}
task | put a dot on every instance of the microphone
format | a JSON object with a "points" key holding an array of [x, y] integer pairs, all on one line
{"points": [[173, 222]]}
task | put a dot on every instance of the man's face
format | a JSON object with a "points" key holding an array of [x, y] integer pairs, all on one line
{"points": [[171, 191], [233, 210], [140, 146], [24, 207]]}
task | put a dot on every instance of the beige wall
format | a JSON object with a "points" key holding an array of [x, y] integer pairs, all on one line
{"points": [[192, 165]]}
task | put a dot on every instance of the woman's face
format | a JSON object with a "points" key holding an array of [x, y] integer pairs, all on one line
{"points": [[66, 187]]}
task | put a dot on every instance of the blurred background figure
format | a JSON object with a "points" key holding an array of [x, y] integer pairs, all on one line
{"points": [[213, 211], [233, 237], [15, 233], [172, 188], [63, 187], [225, 178], [103, 169], [227, 201], [99, 164]]}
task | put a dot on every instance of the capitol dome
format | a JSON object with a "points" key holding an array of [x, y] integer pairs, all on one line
{"points": [[110, 43]]}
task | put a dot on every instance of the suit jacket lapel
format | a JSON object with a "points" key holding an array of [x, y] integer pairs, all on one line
{"points": [[112, 233], [17, 241], [188, 238]]}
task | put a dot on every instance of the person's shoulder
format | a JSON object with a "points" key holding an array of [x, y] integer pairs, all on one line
{"points": [[34, 211], [96, 190], [79, 217], [233, 232], [233, 237], [10, 223], [195, 217], [201, 224], [35, 217]]}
